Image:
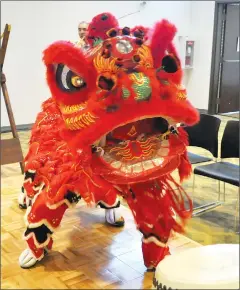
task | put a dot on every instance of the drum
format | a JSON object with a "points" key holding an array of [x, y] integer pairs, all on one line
{"points": [[205, 267]]}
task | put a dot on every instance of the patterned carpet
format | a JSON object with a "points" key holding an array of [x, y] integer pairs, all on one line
{"points": [[215, 226]]}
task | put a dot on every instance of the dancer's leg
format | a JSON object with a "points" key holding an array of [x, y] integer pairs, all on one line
{"points": [[42, 220], [107, 198], [153, 221]]}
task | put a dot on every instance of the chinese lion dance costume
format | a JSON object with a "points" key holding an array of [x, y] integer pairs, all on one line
{"points": [[111, 128]]}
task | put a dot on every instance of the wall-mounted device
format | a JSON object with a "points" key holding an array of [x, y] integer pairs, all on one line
{"points": [[186, 51], [189, 54]]}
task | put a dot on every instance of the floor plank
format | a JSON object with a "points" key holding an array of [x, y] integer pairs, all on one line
{"points": [[87, 253]]}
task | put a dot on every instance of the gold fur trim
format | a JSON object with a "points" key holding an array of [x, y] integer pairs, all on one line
{"points": [[80, 122], [104, 65], [39, 246], [58, 204], [72, 109], [108, 205], [146, 57], [181, 96]]}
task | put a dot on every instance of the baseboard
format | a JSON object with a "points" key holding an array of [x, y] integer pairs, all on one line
{"points": [[24, 127]]}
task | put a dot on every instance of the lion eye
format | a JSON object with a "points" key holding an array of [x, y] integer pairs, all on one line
{"points": [[67, 80], [77, 81]]}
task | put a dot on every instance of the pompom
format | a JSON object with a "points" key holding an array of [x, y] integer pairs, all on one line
{"points": [[141, 32], [99, 26]]}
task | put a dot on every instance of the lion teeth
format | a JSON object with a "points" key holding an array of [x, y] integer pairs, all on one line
{"points": [[148, 165], [107, 158], [158, 161], [137, 168], [116, 164], [126, 169], [163, 152]]}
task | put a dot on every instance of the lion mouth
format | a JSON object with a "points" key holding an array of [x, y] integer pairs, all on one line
{"points": [[137, 146]]}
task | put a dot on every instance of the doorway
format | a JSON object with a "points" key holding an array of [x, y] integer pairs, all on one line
{"points": [[225, 83]]}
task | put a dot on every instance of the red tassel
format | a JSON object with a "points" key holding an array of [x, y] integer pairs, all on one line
{"points": [[185, 167], [154, 204]]}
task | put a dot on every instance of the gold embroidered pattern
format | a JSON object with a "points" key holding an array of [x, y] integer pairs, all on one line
{"points": [[138, 79], [46, 115], [146, 57], [181, 96], [72, 109], [132, 132], [80, 122], [104, 65], [124, 153]]}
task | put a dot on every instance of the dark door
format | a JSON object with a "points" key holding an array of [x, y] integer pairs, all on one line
{"points": [[229, 92]]}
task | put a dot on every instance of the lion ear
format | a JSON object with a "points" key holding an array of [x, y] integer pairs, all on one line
{"points": [[163, 34]]}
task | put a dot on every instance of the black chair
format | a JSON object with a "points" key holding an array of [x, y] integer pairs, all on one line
{"points": [[204, 135], [224, 171]]}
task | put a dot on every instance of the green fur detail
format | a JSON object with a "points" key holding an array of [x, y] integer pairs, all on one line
{"points": [[97, 42], [125, 93], [141, 87]]}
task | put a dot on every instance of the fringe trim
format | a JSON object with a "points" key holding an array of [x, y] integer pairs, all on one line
{"points": [[108, 206], [39, 246]]}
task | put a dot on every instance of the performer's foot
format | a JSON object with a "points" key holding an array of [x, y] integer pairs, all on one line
{"points": [[114, 217], [22, 200], [27, 259]]}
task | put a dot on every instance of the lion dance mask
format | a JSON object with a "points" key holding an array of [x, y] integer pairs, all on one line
{"points": [[111, 128]]}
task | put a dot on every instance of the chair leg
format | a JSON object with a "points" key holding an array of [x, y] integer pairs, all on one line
{"points": [[193, 182], [193, 188], [219, 190], [224, 191], [205, 207], [237, 215]]}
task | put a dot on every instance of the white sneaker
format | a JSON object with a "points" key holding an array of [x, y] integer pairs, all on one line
{"points": [[22, 200], [27, 259], [114, 218]]}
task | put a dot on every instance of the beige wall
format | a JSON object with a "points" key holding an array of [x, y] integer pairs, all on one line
{"points": [[36, 24]]}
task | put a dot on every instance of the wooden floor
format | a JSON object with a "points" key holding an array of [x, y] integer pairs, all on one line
{"points": [[87, 254]]}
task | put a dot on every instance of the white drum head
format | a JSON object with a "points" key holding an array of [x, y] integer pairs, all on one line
{"points": [[206, 267]]}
